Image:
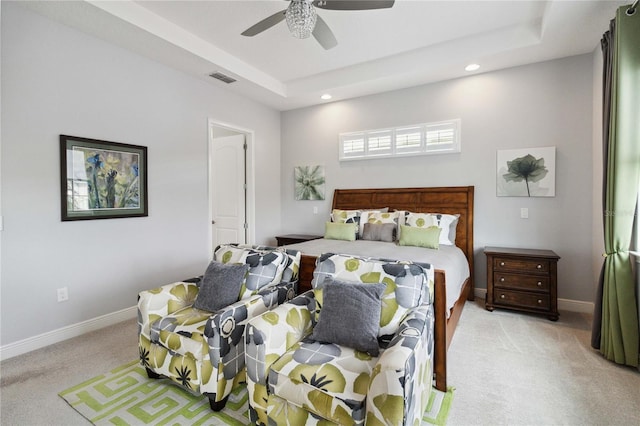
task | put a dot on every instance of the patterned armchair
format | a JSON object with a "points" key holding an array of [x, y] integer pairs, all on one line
{"points": [[204, 351], [294, 379]]}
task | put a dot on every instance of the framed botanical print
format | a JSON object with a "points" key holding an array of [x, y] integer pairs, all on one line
{"points": [[529, 172]]}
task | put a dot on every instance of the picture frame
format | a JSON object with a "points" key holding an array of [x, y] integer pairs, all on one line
{"points": [[101, 179], [309, 183], [526, 172]]}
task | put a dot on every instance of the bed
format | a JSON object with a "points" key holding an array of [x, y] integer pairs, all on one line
{"points": [[447, 200]]}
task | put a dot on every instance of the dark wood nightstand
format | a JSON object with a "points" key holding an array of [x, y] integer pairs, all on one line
{"points": [[295, 238], [522, 279]]}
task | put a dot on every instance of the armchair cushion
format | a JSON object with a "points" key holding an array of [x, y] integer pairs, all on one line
{"points": [[327, 379], [220, 286], [350, 315]]}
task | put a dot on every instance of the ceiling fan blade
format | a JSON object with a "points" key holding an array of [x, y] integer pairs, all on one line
{"points": [[265, 24], [353, 4], [323, 34]]}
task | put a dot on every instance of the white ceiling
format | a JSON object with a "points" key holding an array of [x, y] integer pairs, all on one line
{"points": [[412, 43]]}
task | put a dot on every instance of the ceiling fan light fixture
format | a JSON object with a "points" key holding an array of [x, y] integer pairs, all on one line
{"points": [[301, 18]]}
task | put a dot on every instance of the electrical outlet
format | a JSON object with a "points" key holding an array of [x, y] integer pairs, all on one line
{"points": [[315, 210], [63, 294], [524, 213]]}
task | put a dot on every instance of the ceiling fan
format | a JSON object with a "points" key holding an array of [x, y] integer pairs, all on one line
{"points": [[303, 21]]}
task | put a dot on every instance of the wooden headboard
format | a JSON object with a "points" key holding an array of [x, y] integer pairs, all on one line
{"points": [[449, 200]]}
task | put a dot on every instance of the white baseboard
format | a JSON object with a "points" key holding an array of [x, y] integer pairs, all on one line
{"points": [[575, 306], [563, 304], [36, 342]]}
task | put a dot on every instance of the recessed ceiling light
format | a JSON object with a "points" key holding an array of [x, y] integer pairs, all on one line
{"points": [[326, 97], [471, 67]]}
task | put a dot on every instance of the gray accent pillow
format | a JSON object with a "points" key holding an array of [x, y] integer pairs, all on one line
{"points": [[379, 232], [350, 315], [220, 286]]}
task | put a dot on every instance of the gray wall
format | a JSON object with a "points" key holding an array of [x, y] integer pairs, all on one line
{"points": [[545, 104], [56, 80]]}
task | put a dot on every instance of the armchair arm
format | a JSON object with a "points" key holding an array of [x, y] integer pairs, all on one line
{"points": [[401, 381], [224, 331], [267, 338], [270, 335], [159, 302], [278, 294]]}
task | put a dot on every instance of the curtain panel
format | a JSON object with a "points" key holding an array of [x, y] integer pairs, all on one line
{"points": [[617, 333]]}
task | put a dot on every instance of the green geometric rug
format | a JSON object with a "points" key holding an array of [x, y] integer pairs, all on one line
{"points": [[126, 396]]}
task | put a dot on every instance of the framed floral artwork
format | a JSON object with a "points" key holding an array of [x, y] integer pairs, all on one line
{"points": [[101, 179], [529, 172], [309, 182]]}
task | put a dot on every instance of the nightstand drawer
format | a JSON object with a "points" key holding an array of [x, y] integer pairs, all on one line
{"points": [[520, 265], [523, 282], [521, 299]]}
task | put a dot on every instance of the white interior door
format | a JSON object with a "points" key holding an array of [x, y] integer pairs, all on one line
{"points": [[228, 195]]}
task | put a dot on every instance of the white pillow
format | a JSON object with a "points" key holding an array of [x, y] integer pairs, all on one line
{"points": [[446, 222]]}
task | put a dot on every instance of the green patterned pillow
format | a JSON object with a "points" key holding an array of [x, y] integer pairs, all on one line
{"points": [[420, 237], [380, 217], [447, 222], [340, 231], [344, 216]]}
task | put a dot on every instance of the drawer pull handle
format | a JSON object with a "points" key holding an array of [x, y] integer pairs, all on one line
{"points": [[539, 301], [501, 263], [502, 279], [539, 283], [502, 296], [539, 266]]}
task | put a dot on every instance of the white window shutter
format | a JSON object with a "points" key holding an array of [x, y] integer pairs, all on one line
{"points": [[379, 142], [419, 139], [352, 145]]}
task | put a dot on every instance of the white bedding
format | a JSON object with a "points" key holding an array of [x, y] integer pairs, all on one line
{"points": [[448, 258]]}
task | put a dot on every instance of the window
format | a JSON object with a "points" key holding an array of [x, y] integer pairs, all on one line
{"points": [[352, 145], [419, 139], [379, 142], [409, 140], [440, 137]]}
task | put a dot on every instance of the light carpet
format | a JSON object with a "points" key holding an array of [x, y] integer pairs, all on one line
{"points": [[126, 396]]}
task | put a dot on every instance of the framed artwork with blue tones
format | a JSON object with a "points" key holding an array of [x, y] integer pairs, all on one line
{"points": [[529, 172], [101, 179]]}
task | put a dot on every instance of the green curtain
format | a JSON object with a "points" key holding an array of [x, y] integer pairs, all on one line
{"points": [[619, 334]]}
